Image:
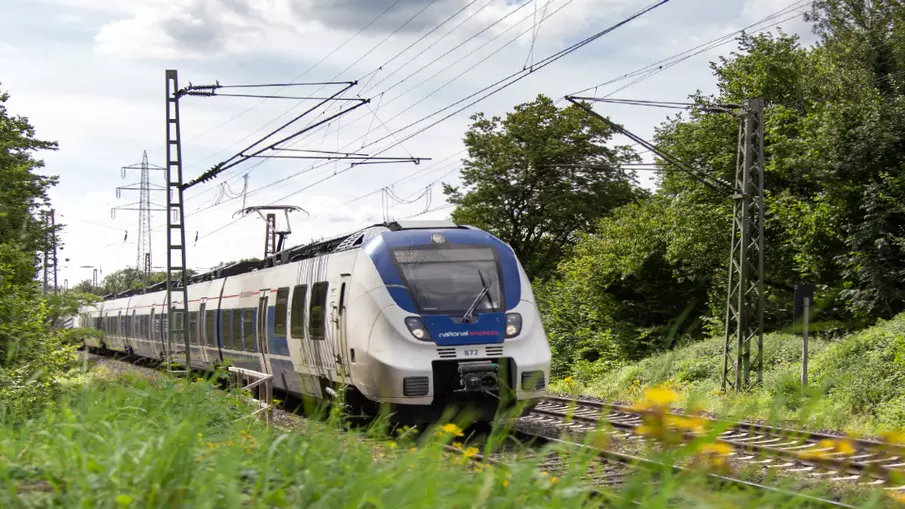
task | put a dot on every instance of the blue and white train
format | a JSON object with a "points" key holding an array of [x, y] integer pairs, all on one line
{"points": [[419, 315]]}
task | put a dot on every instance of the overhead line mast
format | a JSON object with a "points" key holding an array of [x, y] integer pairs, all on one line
{"points": [[177, 277], [744, 328], [145, 207]]}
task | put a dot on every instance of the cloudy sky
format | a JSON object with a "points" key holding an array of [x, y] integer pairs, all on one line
{"points": [[90, 75]]}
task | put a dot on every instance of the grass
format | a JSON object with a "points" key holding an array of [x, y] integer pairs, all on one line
{"points": [[116, 442], [856, 383]]}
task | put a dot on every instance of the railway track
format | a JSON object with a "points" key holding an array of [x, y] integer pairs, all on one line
{"points": [[816, 456], [608, 471]]}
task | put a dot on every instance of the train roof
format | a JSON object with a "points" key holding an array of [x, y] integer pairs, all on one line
{"points": [[293, 254]]}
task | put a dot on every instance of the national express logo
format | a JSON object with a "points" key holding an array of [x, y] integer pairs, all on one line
{"points": [[463, 334]]}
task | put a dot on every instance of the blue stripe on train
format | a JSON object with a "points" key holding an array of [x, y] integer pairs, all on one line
{"points": [[276, 344]]}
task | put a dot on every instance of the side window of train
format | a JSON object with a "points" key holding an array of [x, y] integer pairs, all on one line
{"points": [[210, 328], [317, 313], [236, 329], [279, 313], [224, 328], [193, 324], [248, 329], [297, 320]]}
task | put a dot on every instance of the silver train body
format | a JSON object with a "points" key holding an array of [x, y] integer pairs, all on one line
{"points": [[420, 315]]}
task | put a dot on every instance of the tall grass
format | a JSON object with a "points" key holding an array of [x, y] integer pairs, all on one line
{"points": [[134, 442]]}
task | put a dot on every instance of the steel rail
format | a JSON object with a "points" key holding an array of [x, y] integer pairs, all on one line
{"points": [[884, 462]]}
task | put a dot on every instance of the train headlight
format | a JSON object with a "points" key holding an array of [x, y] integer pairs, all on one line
{"points": [[417, 328], [513, 324]]}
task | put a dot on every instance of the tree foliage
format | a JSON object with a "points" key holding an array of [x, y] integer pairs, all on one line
{"points": [[835, 188], [31, 354], [538, 176]]}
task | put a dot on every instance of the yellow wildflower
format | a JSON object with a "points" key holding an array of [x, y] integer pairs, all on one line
{"points": [[718, 448], [896, 437], [898, 496], [471, 451], [834, 445], [391, 445], [660, 396], [505, 483], [452, 429], [457, 445], [554, 480], [686, 423]]}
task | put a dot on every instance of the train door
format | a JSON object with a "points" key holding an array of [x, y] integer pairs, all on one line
{"points": [[201, 325], [317, 330], [152, 333], [262, 331], [339, 332]]}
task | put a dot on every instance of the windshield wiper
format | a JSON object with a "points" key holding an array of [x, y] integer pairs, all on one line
{"points": [[474, 305]]}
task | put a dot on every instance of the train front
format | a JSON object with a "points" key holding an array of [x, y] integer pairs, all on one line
{"points": [[459, 325]]}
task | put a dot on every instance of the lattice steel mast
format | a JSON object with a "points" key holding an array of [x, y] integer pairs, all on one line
{"points": [[145, 207], [745, 292], [177, 280]]}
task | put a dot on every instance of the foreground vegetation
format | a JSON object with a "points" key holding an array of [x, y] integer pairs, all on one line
{"points": [[127, 441], [856, 383]]}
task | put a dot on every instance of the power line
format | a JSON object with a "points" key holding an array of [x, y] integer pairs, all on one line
{"points": [[519, 75], [657, 67], [491, 89], [689, 53], [305, 72], [434, 60]]}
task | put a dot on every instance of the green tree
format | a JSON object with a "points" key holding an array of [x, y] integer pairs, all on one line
{"points": [[538, 176], [835, 188], [22, 191]]}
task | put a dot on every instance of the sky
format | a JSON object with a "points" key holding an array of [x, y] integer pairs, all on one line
{"points": [[90, 74]]}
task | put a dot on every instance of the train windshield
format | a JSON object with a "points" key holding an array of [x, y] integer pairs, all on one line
{"points": [[450, 280]]}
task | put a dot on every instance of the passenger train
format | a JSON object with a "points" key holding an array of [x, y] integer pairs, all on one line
{"points": [[420, 315]]}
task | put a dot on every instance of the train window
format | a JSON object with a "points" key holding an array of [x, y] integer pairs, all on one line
{"points": [[446, 280], [342, 297], [248, 329], [210, 333], [193, 326], [279, 313], [236, 330], [297, 320], [224, 328], [317, 313]]}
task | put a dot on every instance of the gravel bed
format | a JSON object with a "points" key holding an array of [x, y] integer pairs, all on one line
{"points": [[110, 368]]}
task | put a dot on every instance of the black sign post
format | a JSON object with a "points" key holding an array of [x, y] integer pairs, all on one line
{"points": [[804, 296]]}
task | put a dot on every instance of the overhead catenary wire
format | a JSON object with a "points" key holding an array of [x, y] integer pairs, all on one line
{"points": [[686, 52], [447, 83], [490, 90]]}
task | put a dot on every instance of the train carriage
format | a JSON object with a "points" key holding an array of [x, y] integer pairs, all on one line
{"points": [[419, 315]]}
